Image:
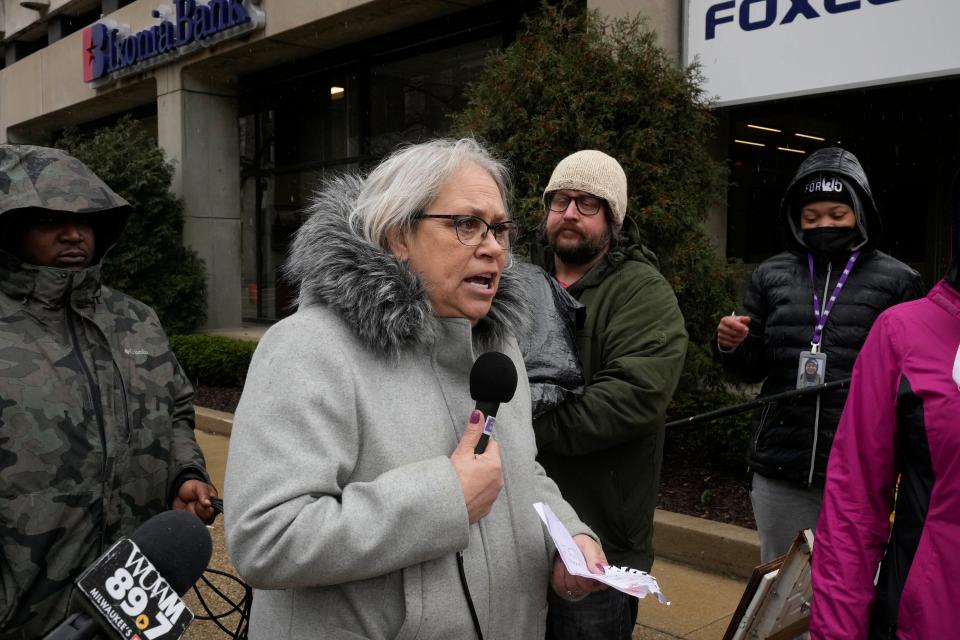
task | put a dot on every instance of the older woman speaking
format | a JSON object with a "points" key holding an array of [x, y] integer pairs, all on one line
{"points": [[356, 505]]}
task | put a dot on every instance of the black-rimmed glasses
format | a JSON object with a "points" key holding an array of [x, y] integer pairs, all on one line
{"points": [[587, 205], [472, 231]]}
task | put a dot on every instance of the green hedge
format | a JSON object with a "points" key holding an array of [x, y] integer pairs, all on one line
{"points": [[213, 360]]}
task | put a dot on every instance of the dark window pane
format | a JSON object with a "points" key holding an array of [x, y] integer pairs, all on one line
{"points": [[300, 130], [413, 99]]}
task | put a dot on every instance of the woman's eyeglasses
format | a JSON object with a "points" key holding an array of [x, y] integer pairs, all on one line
{"points": [[472, 231], [587, 205]]}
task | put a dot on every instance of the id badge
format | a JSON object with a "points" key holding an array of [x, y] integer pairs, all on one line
{"points": [[811, 370]]}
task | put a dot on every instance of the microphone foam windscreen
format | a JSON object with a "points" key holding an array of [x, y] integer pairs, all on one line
{"points": [[178, 545], [493, 378]]}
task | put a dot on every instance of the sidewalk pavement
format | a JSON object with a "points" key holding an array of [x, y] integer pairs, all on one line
{"points": [[701, 603]]}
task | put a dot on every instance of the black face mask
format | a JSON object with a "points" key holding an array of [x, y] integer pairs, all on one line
{"points": [[829, 241]]}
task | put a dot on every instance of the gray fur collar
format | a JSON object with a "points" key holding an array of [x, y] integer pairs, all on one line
{"points": [[373, 290]]}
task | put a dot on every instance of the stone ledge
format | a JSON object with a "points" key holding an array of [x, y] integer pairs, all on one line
{"points": [[248, 332], [717, 547], [213, 421]]}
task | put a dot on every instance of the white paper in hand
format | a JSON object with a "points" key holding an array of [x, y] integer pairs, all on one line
{"points": [[631, 581]]}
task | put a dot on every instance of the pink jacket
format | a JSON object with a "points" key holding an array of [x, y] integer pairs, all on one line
{"points": [[902, 417]]}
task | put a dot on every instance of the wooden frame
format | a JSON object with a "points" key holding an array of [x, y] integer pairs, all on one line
{"points": [[776, 603]]}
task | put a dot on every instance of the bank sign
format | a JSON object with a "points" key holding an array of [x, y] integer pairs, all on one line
{"points": [[112, 51], [755, 50]]}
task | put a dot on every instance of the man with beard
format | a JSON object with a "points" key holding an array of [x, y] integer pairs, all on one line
{"points": [[604, 449]]}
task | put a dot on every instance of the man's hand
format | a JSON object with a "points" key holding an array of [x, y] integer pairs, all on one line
{"points": [[575, 588], [732, 331], [194, 496], [481, 476]]}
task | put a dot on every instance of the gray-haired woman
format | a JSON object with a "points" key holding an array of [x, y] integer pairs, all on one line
{"points": [[352, 483]]}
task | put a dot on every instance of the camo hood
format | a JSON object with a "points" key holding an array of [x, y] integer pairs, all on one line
{"points": [[50, 179]]}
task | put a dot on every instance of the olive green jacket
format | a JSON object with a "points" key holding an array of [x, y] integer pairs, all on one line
{"points": [[604, 450]]}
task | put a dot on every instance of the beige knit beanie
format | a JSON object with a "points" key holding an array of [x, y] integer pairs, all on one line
{"points": [[595, 173]]}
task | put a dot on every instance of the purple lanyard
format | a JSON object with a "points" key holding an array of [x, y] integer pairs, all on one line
{"points": [[822, 320]]}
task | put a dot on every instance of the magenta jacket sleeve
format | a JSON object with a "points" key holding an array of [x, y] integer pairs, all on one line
{"points": [[858, 497]]}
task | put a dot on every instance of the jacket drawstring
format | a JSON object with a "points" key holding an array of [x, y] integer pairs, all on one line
{"points": [[816, 417]]}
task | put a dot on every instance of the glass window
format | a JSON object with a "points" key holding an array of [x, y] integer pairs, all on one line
{"points": [[317, 120], [267, 234], [290, 140], [298, 131], [413, 99]]}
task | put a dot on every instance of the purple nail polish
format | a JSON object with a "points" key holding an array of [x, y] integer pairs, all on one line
{"points": [[475, 416]]}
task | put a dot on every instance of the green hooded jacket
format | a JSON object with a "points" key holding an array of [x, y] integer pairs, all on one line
{"points": [[605, 449], [96, 415]]}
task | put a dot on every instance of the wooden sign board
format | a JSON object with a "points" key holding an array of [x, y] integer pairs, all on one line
{"points": [[776, 602]]}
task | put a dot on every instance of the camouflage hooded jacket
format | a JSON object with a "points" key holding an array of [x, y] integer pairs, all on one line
{"points": [[96, 418]]}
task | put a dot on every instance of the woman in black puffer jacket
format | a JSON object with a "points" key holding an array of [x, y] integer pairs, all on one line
{"points": [[831, 224]]}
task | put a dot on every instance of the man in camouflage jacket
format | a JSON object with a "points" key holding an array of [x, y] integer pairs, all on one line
{"points": [[96, 416]]}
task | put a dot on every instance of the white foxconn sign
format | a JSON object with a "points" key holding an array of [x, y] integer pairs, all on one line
{"points": [[755, 50]]}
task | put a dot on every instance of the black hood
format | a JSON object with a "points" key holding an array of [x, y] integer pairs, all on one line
{"points": [[845, 166]]}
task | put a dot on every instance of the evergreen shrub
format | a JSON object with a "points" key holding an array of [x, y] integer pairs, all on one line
{"points": [[719, 445], [213, 360], [576, 80], [149, 262]]}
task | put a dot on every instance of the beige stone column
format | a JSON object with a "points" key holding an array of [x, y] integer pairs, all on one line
{"points": [[197, 128]]}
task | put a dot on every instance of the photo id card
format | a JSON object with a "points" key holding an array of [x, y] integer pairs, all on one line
{"points": [[811, 370]]}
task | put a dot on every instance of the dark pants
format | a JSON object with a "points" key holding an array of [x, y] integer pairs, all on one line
{"points": [[604, 615]]}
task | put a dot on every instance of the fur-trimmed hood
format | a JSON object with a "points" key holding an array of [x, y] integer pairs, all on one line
{"points": [[376, 292]]}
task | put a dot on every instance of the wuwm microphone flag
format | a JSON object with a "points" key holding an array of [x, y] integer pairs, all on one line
{"points": [[133, 590]]}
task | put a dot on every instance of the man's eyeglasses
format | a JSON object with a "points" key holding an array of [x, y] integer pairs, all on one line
{"points": [[472, 231], [587, 205]]}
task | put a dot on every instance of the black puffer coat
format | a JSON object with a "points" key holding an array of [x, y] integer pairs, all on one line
{"points": [[791, 440]]}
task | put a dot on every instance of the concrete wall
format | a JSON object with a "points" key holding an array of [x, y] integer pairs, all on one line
{"points": [[197, 128], [16, 20]]}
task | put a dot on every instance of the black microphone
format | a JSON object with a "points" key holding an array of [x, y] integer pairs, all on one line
{"points": [[134, 588], [493, 379]]}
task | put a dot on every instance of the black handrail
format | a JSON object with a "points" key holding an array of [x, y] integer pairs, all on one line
{"points": [[758, 402]]}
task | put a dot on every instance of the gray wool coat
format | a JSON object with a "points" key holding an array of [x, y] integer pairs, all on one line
{"points": [[342, 507]]}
